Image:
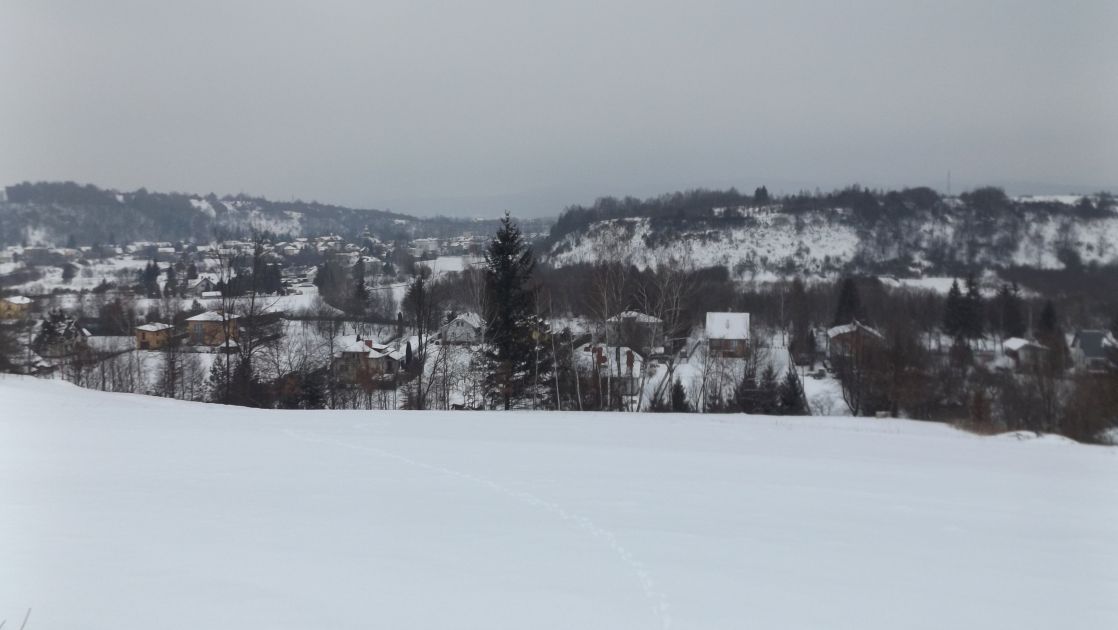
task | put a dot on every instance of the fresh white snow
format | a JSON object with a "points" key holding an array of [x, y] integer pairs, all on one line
{"points": [[121, 511]]}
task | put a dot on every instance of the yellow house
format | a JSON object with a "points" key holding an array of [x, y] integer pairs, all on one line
{"points": [[14, 307], [153, 336], [211, 328]]}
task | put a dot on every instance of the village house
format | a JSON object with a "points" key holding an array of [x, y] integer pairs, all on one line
{"points": [[424, 247], [467, 328], [212, 328], [850, 339], [636, 330], [727, 334], [200, 287], [1094, 350], [61, 337], [1024, 354], [14, 307], [364, 362], [153, 336]]}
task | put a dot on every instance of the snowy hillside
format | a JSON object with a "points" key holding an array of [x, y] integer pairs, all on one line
{"points": [[767, 245], [54, 213], [756, 243], [124, 512]]}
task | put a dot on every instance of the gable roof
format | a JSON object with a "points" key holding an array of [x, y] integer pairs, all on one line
{"points": [[211, 316], [1014, 344], [641, 318], [727, 326], [154, 327], [851, 327], [1093, 343], [471, 319]]}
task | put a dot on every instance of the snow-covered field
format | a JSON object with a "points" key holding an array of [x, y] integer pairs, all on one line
{"points": [[121, 512]]}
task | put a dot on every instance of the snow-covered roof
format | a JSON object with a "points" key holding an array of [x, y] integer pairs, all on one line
{"points": [[17, 299], [641, 318], [154, 327], [473, 319], [851, 327], [211, 294], [356, 346], [367, 346], [727, 326], [210, 316], [1014, 344]]}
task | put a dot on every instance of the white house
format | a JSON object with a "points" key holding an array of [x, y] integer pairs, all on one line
{"points": [[727, 334], [466, 328]]}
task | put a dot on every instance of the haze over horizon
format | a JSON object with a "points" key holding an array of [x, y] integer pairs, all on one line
{"points": [[428, 107]]}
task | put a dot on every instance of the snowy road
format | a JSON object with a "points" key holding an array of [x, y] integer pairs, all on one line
{"points": [[130, 512]]}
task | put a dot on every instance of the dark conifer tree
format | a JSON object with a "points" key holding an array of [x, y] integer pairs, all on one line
{"points": [[801, 321], [769, 392], [360, 298], [171, 287], [954, 312], [973, 311], [792, 401], [1050, 334], [1009, 311], [746, 398], [849, 303], [510, 318], [679, 398]]}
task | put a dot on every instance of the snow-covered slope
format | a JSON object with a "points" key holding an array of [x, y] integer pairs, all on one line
{"points": [[125, 512], [769, 244], [772, 243]]}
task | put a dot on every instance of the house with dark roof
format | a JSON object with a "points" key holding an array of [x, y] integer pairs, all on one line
{"points": [[850, 339], [1094, 350], [636, 330]]}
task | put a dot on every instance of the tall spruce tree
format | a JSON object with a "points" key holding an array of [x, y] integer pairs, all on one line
{"points": [[679, 398], [768, 391], [973, 310], [801, 321], [510, 317], [849, 303], [792, 401], [359, 300], [954, 312], [1009, 311]]}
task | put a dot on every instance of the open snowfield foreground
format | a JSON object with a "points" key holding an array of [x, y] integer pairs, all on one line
{"points": [[128, 512]]}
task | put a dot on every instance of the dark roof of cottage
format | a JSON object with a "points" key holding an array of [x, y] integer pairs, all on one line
{"points": [[1091, 342]]}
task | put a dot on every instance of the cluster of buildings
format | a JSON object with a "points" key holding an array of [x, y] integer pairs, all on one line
{"points": [[1091, 351]]}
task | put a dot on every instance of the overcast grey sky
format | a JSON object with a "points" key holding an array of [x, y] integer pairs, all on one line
{"points": [[471, 107]]}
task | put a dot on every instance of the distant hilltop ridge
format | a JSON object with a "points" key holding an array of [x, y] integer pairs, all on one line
{"points": [[907, 232], [60, 212]]}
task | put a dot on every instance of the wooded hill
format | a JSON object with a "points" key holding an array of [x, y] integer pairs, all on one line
{"points": [[907, 231]]}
